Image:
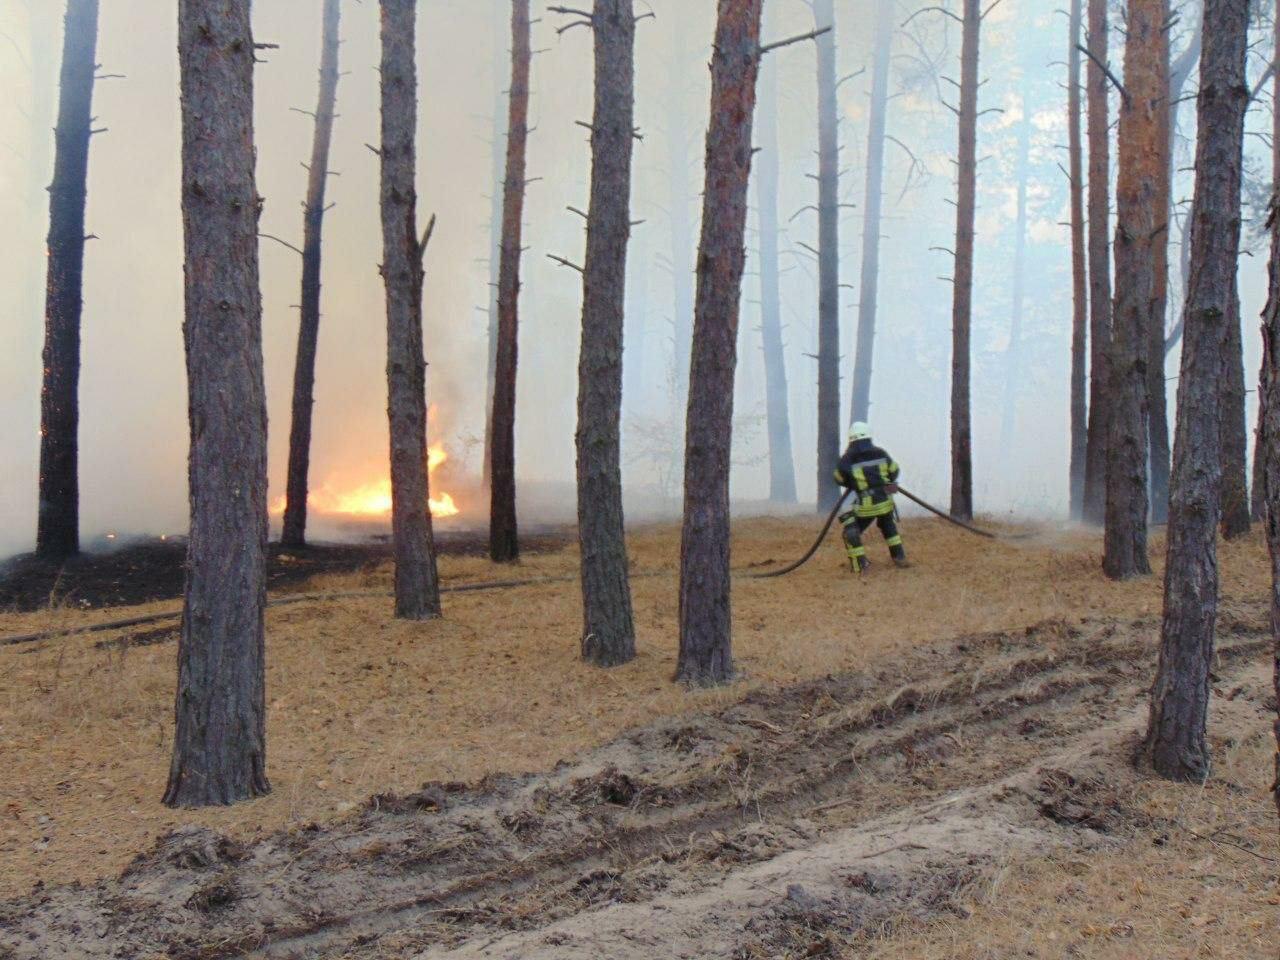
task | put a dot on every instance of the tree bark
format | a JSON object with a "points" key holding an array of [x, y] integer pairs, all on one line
{"points": [[1157, 391], [496, 199], [829, 434], [294, 533], [417, 585], [962, 302], [1141, 206], [608, 634], [58, 517], [1099, 123], [1259, 493], [872, 208], [504, 544], [1175, 741], [782, 471], [1268, 450], [706, 655], [1079, 273], [219, 745], [1235, 429]]}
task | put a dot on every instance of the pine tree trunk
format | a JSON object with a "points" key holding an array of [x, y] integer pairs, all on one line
{"points": [[872, 207], [782, 471], [417, 584], [829, 433], [504, 544], [1013, 356], [608, 634], [58, 517], [1235, 429], [1258, 492], [1099, 123], [1157, 390], [1175, 741], [219, 744], [294, 533], [1140, 215], [962, 303], [498, 155], [1268, 450], [1079, 274], [706, 655]]}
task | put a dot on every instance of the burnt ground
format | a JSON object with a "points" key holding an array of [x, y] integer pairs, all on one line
{"points": [[152, 569], [790, 824]]}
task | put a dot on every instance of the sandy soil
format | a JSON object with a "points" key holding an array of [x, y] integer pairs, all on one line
{"points": [[850, 715], [820, 819]]}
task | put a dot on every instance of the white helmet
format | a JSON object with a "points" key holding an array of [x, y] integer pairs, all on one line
{"points": [[859, 431]]}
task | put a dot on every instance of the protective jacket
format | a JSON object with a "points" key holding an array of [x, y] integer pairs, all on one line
{"points": [[868, 470]]}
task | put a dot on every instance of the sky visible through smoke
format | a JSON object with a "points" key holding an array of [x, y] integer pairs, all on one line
{"points": [[133, 433]]}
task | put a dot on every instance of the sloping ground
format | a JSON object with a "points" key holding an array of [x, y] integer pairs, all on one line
{"points": [[826, 818]]}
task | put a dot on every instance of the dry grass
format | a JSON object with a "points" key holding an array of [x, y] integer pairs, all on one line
{"points": [[1182, 889], [361, 704]]}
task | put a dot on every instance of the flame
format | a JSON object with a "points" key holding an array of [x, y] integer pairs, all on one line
{"points": [[373, 499]]}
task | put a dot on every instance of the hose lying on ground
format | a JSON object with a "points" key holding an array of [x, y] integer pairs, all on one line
{"points": [[826, 527], [790, 568]]}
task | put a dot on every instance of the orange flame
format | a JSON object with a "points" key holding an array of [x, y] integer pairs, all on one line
{"points": [[373, 499]]}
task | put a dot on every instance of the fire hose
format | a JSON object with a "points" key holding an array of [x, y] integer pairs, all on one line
{"points": [[831, 518]]}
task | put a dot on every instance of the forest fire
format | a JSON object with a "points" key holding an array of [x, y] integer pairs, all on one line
{"points": [[372, 500]]}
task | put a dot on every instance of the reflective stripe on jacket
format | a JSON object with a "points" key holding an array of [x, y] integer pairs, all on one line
{"points": [[868, 470]]}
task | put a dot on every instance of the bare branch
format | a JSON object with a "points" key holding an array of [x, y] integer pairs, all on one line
{"points": [[426, 237], [283, 243], [565, 263], [1105, 69], [777, 44]]}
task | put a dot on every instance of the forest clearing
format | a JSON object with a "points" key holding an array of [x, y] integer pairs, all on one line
{"points": [[835, 739]]}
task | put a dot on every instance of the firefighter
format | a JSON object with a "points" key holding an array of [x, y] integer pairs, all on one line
{"points": [[872, 475]]}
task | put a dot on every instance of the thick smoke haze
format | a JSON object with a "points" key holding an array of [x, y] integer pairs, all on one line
{"points": [[133, 430]]}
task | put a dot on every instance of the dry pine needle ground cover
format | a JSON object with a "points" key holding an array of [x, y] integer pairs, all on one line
{"points": [[361, 704]]}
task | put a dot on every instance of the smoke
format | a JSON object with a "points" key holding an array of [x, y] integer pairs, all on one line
{"points": [[133, 435]]}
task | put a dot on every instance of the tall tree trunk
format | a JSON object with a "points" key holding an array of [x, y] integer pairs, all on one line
{"points": [[706, 655], [1268, 451], [58, 518], [962, 303], [1140, 214], [1157, 391], [873, 202], [1079, 273], [417, 584], [1013, 356], [782, 471], [608, 634], [504, 545], [1260, 497], [219, 741], [829, 433], [1099, 127], [497, 155], [1235, 430], [1180, 698], [294, 533]]}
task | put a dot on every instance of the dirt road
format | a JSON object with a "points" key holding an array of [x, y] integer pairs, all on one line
{"points": [[779, 827]]}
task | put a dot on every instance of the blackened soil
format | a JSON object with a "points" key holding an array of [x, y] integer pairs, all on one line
{"points": [[147, 570]]}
